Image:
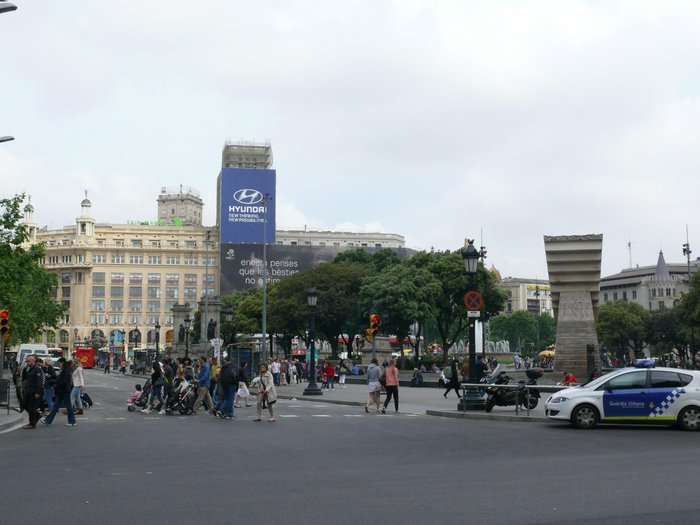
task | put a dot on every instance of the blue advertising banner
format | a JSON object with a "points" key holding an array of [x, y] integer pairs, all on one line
{"points": [[247, 201]]}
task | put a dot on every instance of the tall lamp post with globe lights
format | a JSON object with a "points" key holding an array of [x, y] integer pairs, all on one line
{"points": [[312, 388], [470, 257]]}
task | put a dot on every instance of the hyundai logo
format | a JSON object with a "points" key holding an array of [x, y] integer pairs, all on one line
{"points": [[248, 196]]}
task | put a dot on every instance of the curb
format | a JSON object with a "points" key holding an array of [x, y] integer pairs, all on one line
{"points": [[322, 400], [13, 419], [484, 416]]}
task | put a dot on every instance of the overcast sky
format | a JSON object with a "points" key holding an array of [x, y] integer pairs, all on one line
{"points": [[436, 120]]}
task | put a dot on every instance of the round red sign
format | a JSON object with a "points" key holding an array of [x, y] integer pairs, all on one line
{"points": [[473, 301]]}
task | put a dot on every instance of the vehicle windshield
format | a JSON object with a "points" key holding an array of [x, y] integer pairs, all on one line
{"points": [[602, 379]]}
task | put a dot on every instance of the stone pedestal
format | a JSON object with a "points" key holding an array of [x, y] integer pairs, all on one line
{"points": [[575, 331], [180, 311]]}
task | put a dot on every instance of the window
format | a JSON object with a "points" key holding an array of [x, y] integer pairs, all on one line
{"points": [[97, 319], [172, 278], [190, 261], [624, 298], [135, 278], [662, 306], [153, 278], [115, 318], [209, 292], [98, 291], [171, 293], [80, 258], [117, 277], [208, 278], [172, 244], [190, 278], [614, 296], [53, 259], [668, 294], [65, 291], [153, 292], [631, 381], [172, 259], [634, 294], [152, 319], [211, 261], [134, 319], [605, 298], [98, 277], [66, 303], [98, 305], [169, 305], [153, 306], [136, 243], [191, 244], [155, 244], [135, 259], [67, 258], [119, 243], [117, 259], [154, 259], [135, 291], [65, 277], [191, 293], [79, 277], [661, 379], [116, 291], [116, 305], [135, 306]]}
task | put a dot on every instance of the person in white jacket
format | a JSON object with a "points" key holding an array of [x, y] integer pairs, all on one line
{"points": [[78, 386]]}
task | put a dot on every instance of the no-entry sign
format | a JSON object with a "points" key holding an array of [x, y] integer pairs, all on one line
{"points": [[473, 301]]}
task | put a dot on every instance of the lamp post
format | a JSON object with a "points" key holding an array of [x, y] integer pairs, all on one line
{"points": [[472, 399], [157, 327], [188, 321], [687, 251], [312, 388], [228, 317]]}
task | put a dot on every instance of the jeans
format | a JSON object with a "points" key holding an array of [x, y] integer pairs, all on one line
{"points": [[392, 391], [227, 403], [329, 382], [61, 400], [156, 392], [276, 378], [48, 397], [75, 394]]}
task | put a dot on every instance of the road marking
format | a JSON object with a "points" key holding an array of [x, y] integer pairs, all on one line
{"points": [[295, 406], [150, 417], [287, 415], [114, 418], [319, 406], [321, 415], [353, 415]]}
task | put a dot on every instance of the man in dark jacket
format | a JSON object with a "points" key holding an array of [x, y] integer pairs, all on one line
{"points": [[32, 390], [228, 379], [64, 385]]}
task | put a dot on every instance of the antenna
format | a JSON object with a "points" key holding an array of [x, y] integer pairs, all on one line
{"points": [[629, 249]]}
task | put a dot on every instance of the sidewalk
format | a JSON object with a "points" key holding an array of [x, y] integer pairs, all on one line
{"points": [[14, 418], [424, 401]]}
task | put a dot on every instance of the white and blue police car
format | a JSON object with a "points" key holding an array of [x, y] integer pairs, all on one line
{"points": [[639, 394]]}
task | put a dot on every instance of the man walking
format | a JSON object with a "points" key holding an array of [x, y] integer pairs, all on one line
{"points": [[64, 384], [203, 381], [32, 390]]}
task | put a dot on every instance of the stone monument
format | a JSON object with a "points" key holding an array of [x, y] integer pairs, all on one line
{"points": [[574, 263]]}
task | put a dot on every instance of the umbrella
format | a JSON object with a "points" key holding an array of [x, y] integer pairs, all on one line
{"points": [[546, 353]]}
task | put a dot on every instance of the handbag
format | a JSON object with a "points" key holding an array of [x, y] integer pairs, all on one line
{"points": [[382, 379]]}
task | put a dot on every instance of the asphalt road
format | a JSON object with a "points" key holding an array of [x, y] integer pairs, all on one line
{"points": [[333, 463]]}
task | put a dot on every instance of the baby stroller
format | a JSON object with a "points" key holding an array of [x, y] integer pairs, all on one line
{"points": [[86, 400], [182, 399], [142, 400]]}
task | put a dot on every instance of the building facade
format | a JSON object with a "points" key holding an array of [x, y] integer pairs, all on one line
{"points": [[532, 295], [653, 287]]}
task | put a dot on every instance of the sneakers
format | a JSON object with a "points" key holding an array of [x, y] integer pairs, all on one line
{"points": [[146, 411], [161, 413], [71, 424], [43, 422]]}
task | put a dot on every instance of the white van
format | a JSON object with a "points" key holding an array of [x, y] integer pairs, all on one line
{"points": [[32, 348]]}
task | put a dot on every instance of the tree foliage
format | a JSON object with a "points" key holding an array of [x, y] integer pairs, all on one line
{"points": [[28, 289], [623, 326]]}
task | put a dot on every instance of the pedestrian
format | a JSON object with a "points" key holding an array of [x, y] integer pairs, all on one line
{"points": [[107, 366], [213, 378], [266, 393], [480, 368], [275, 369], [329, 371], [228, 381], [64, 384], [374, 387], [168, 378], [32, 390], [76, 393], [203, 379], [453, 379], [343, 370], [157, 383], [49, 384], [293, 377], [122, 366], [392, 386], [243, 392], [300, 371]]}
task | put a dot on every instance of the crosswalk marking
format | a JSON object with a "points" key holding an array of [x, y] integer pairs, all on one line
{"points": [[287, 415], [321, 415]]}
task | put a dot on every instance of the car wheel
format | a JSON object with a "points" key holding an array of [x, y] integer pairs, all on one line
{"points": [[585, 417], [689, 418]]}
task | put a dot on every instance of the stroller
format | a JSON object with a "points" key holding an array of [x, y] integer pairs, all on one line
{"points": [[182, 398], [142, 400]]}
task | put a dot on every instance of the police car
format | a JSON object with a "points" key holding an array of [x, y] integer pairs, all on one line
{"points": [[641, 394]]}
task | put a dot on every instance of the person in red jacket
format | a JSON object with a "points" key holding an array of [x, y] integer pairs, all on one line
{"points": [[329, 371], [569, 379]]}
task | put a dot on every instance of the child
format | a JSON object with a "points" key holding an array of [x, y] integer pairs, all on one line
{"points": [[133, 398]]}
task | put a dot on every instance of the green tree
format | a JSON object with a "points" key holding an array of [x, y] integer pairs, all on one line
{"points": [[688, 311], [667, 333], [622, 325], [28, 289], [377, 261], [518, 328], [401, 294], [450, 315]]}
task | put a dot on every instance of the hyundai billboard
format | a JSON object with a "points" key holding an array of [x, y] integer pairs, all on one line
{"points": [[247, 202]]}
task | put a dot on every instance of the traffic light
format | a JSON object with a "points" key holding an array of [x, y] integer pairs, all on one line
{"points": [[374, 324], [4, 325]]}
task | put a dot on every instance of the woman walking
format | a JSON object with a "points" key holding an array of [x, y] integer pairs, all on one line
{"points": [[374, 387], [63, 391], [266, 392], [78, 386], [242, 392], [454, 380], [392, 386], [157, 383]]}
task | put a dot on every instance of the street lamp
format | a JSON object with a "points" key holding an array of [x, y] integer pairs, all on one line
{"points": [[228, 317], [157, 327], [188, 321], [312, 388], [470, 257], [687, 251]]}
